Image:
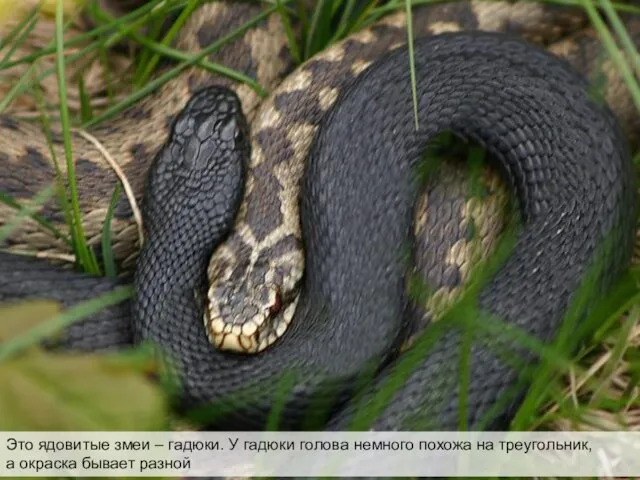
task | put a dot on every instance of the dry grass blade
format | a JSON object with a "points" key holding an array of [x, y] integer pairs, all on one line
{"points": [[123, 179], [90, 67]]}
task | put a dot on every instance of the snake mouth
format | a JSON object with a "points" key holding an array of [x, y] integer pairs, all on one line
{"points": [[255, 334]]}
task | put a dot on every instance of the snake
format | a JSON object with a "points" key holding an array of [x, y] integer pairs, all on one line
{"points": [[336, 308]]}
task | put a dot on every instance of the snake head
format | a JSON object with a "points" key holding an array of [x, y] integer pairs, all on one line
{"points": [[250, 302], [196, 181]]}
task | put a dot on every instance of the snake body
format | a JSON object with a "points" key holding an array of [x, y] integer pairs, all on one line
{"points": [[133, 138], [532, 112]]}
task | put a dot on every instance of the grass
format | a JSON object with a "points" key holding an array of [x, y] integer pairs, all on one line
{"points": [[594, 387]]}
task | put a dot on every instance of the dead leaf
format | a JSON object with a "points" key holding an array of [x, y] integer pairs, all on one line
{"points": [[17, 318], [65, 392]]}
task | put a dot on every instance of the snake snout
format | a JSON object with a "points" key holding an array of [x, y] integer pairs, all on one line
{"points": [[246, 323], [198, 175]]}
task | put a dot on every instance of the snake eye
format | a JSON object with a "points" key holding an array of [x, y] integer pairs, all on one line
{"points": [[277, 303], [238, 134], [230, 130]]}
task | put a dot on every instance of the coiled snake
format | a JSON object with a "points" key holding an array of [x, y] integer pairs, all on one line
{"points": [[562, 154]]}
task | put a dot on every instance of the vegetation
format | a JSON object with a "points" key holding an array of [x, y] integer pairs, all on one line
{"points": [[588, 379]]}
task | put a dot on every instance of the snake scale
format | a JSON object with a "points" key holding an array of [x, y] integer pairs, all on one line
{"points": [[348, 110]]}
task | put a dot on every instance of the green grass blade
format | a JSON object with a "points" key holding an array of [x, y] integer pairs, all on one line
{"points": [[107, 250], [60, 190], [203, 63], [100, 44], [465, 378], [152, 30], [348, 24], [132, 20], [621, 32], [86, 111], [412, 64], [63, 320], [19, 87], [39, 219], [163, 78], [293, 43], [305, 24], [83, 255], [617, 353], [40, 199], [166, 41], [286, 384], [10, 36], [317, 34], [32, 21], [613, 51], [343, 24]]}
